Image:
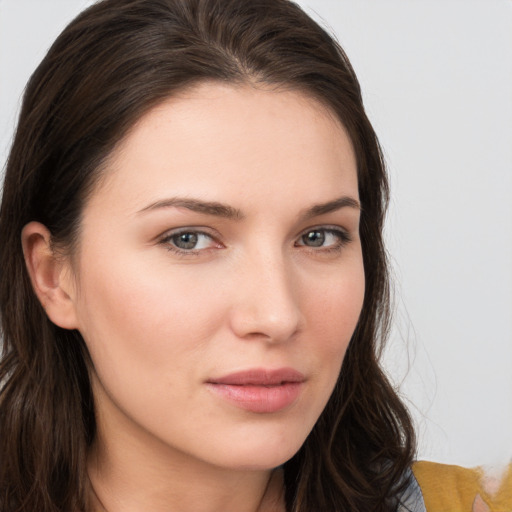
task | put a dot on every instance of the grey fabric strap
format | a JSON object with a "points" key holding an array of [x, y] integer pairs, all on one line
{"points": [[412, 499]]}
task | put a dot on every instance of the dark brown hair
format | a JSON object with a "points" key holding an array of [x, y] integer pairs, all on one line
{"points": [[114, 62]]}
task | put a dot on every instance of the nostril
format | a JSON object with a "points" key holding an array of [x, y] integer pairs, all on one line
{"points": [[262, 324]]}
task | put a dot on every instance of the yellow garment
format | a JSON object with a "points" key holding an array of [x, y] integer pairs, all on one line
{"points": [[455, 489]]}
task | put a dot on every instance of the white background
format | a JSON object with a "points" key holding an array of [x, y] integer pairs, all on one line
{"points": [[437, 81]]}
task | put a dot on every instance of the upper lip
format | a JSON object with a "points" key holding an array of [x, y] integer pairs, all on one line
{"points": [[260, 377]]}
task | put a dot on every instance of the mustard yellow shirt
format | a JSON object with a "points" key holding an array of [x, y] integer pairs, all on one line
{"points": [[447, 488]]}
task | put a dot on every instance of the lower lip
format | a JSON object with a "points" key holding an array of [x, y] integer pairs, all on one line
{"points": [[260, 399]]}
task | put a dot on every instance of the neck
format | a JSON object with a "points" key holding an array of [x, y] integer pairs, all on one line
{"points": [[116, 489], [131, 471]]}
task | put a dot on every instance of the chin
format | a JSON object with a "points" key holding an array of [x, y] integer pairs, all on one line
{"points": [[266, 455]]}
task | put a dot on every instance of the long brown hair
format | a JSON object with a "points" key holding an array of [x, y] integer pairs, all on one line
{"points": [[112, 64]]}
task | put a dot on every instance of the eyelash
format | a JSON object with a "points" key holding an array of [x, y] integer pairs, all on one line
{"points": [[167, 241], [343, 238]]}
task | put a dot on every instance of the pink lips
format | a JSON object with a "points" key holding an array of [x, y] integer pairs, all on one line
{"points": [[260, 390]]}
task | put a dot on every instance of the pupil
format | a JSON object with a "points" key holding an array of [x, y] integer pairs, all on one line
{"points": [[186, 240], [315, 238]]}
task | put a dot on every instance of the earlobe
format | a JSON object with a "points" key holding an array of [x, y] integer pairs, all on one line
{"points": [[50, 276]]}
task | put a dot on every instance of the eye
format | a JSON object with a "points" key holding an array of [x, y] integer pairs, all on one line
{"points": [[326, 238], [188, 241]]}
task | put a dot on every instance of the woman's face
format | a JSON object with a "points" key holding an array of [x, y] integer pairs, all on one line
{"points": [[219, 276]]}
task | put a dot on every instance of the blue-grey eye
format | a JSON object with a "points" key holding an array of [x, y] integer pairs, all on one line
{"points": [[185, 240], [188, 241], [314, 238], [324, 238]]}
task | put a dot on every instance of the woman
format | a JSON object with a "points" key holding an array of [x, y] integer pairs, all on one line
{"points": [[193, 316]]}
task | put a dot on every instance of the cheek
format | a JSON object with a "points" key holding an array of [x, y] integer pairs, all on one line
{"points": [[143, 323], [336, 306], [333, 313]]}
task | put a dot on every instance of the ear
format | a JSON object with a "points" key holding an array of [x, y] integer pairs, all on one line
{"points": [[50, 275]]}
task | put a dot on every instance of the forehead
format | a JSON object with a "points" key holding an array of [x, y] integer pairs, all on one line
{"points": [[235, 141]]}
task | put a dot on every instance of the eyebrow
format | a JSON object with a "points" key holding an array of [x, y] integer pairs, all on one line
{"points": [[222, 210], [196, 205], [331, 206]]}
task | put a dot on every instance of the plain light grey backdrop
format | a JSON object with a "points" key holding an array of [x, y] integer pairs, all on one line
{"points": [[437, 82]]}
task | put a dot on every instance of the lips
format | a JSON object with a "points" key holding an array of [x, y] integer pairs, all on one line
{"points": [[259, 390]]}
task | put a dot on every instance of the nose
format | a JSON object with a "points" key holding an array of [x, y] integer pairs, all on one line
{"points": [[267, 300]]}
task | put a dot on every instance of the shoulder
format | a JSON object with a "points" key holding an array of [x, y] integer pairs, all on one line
{"points": [[448, 488]]}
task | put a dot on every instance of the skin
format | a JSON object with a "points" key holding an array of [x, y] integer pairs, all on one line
{"points": [[276, 284]]}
